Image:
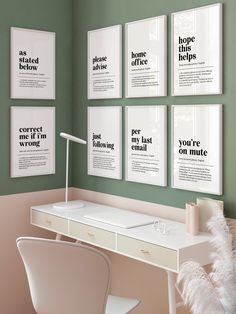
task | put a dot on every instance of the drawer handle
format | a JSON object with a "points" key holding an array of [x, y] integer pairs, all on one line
{"points": [[48, 222], [144, 251], [91, 234]]}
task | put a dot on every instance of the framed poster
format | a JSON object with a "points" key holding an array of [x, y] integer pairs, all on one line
{"points": [[104, 63], [145, 152], [32, 141], [32, 64], [146, 56], [197, 148], [197, 51], [104, 141]]}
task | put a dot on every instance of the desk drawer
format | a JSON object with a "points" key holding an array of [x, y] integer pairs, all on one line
{"points": [[147, 252], [50, 222], [93, 235]]}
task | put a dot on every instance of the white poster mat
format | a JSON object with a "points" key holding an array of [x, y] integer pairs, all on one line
{"points": [[104, 141], [197, 148], [32, 64], [197, 51], [146, 136], [104, 63], [145, 48], [32, 141]]}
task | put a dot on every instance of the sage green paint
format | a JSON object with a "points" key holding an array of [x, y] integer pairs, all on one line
{"points": [[71, 91], [48, 15], [93, 14]]}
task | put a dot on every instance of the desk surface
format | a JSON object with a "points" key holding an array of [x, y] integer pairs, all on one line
{"points": [[176, 241]]}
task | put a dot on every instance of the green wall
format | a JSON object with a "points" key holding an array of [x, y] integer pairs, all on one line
{"points": [[92, 14], [71, 19], [49, 15]]}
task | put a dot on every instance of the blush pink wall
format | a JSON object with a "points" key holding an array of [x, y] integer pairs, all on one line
{"points": [[129, 277], [15, 222]]}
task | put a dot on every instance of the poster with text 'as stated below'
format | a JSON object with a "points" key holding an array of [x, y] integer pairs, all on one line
{"points": [[146, 144], [145, 43], [32, 64], [197, 51], [32, 141], [104, 141], [104, 63], [197, 148]]}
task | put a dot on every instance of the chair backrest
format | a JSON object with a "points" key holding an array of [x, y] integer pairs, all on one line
{"points": [[64, 277]]}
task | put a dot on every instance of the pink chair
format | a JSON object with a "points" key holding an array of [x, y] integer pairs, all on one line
{"points": [[69, 278]]}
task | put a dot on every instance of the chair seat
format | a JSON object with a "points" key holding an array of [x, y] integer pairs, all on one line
{"points": [[120, 305]]}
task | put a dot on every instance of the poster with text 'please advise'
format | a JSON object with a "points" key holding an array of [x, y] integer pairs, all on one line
{"points": [[104, 63], [197, 148], [104, 141], [32, 141], [32, 64], [197, 51]]}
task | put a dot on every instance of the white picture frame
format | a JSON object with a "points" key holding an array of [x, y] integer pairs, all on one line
{"points": [[32, 141], [104, 155], [197, 148], [146, 144], [32, 64], [196, 51], [104, 63], [146, 57]]}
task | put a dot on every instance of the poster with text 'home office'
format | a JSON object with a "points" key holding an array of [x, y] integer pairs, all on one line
{"points": [[146, 144], [104, 63], [32, 141], [197, 51], [145, 48], [197, 148], [32, 64], [104, 141]]}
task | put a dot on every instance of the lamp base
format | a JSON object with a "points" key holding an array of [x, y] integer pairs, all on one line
{"points": [[68, 205]]}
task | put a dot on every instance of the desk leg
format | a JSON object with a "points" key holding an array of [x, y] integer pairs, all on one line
{"points": [[171, 292], [58, 237]]}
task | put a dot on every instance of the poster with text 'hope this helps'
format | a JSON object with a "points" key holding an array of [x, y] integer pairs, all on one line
{"points": [[197, 51], [197, 148], [32, 64]]}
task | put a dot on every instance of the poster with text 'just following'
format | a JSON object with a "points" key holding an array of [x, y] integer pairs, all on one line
{"points": [[197, 148], [104, 141], [197, 51]]}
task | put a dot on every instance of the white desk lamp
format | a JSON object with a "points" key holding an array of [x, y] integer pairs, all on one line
{"points": [[69, 204]]}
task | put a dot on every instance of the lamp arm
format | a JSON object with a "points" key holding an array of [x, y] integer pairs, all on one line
{"points": [[72, 138], [67, 169], [75, 204]]}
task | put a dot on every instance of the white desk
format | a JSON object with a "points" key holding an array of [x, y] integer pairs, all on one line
{"points": [[142, 243]]}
